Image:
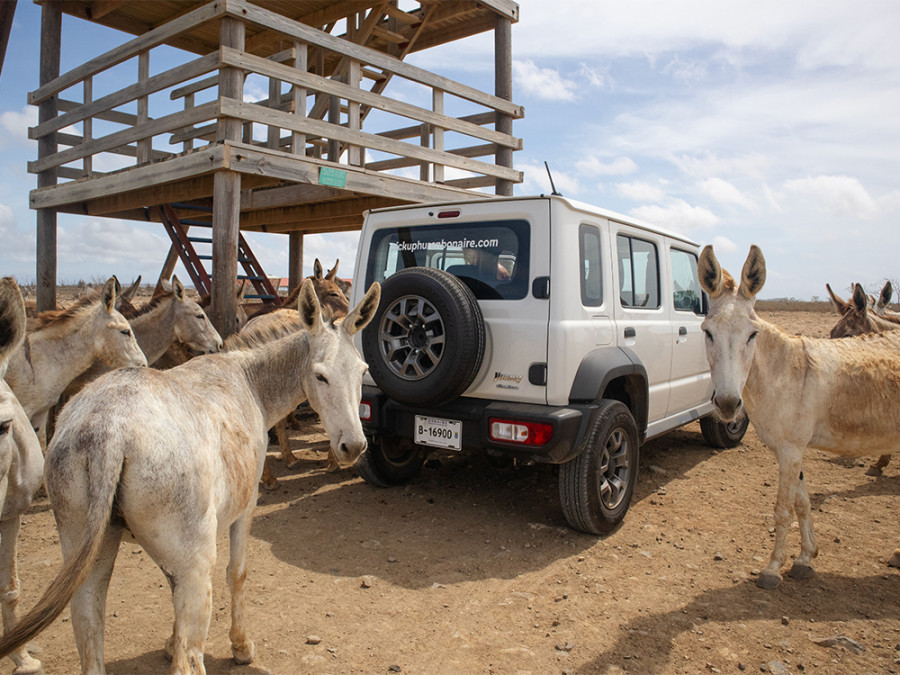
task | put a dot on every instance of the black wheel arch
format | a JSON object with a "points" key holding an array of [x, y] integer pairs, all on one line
{"points": [[614, 373]]}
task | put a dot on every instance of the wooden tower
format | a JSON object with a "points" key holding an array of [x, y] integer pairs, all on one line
{"points": [[325, 141]]}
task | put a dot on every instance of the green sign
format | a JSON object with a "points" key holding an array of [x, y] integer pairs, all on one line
{"points": [[333, 177]]}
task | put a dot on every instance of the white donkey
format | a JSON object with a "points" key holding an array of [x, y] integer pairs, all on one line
{"points": [[842, 396], [21, 466], [175, 456], [64, 347]]}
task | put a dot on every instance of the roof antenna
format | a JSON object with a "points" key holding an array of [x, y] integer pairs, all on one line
{"points": [[550, 176]]}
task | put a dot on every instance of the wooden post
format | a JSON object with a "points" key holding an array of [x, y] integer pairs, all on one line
{"points": [[87, 127], [503, 89], [51, 34], [143, 109], [295, 259], [298, 140], [437, 104], [226, 219]]}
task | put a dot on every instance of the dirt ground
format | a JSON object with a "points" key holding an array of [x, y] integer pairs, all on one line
{"points": [[470, 569]]}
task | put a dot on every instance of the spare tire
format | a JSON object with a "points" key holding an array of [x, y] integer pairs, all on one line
{"points": [[426, 341]]}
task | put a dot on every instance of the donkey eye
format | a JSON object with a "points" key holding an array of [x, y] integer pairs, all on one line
{"points": [[199, 316], [4, 428], [126, 332], [321, 378], [709, 336], [752, 336]]}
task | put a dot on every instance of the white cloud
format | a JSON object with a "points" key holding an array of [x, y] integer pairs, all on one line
{"points": [[678, 216], [641, 192], [597, 76], [724, 244], [836, 195], [620, 166], [724, 192], [542, 83], [536, 181], [15, 124], [685, 70]]}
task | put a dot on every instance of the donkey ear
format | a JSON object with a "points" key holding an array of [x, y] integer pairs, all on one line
{"points": [[129, 292], [308, 307], [330, 275], [12, 319], [860, 300], [885, 298], [178, 288], [753, 276], [241, 289], [362, 314], [837, 302], [317, 269], [108, 294], [710, 272]]}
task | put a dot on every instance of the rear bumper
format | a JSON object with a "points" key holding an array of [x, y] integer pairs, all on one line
{"points": [[570, 424]]}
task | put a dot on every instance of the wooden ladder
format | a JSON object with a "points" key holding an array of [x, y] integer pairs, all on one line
{"points": [[183, 247]]}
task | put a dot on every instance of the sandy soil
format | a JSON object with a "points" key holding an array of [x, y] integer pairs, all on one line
{"points": [[472, 570]]}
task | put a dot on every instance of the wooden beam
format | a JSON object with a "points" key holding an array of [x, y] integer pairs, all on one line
{"points": [[503, 89]]}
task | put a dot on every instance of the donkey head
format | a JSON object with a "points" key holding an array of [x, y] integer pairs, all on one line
{"points": [[329, 293], [113, 341], [191, 324], [731, 326], [333, 380], [855, 317]]}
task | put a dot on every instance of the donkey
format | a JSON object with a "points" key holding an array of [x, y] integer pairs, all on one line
{"points": [[195, 451], [21, 466], [66, 345], [157, 325], [841, 396], [881, 305], [277, 319]]}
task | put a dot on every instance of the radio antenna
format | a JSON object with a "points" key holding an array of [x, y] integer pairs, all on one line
{"points": [[550, 176]]}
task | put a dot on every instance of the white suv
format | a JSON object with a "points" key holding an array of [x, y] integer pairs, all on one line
{"points": [[534, 328]]}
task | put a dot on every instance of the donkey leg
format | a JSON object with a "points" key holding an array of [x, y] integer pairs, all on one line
{"points": [[191, 579], [9, 592], [284, 442], [788, 471], [88, 606], [268, 478], [876, 468], [241, 646], [802, 568]]}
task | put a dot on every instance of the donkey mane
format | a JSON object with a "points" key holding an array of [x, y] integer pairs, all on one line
{"points": [[54, 318], [135, 312], [251, 340]]}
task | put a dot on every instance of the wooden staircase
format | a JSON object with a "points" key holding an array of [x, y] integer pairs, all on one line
{"points": [[183, 247]]}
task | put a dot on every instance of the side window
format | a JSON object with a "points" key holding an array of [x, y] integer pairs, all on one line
{"points": [[687, 296], [638, 272], [591, 278]]}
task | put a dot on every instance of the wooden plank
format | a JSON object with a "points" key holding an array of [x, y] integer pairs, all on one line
{"points": [[138, 90], [109, 116], [413, 131], [178, 168], [132, 48], [262, 17], [124, 150], [194, 87], [118, 138], [254, 161], [143, 108], [225, 231], [355, 94], [402, 162], [503, 89], [248, 111]]}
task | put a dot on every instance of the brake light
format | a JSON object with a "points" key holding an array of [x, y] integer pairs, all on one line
{"points": [[365, 411], [448, 214], [524, 433]]}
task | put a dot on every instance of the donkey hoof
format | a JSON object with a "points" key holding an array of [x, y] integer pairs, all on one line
{"points": [[28, 666], [895, 559], [243, 654], [874, 471], [801, 571], [768, 580], [271, 485]]}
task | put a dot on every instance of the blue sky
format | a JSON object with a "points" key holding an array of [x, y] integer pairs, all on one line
{"points": [[774, 123]]}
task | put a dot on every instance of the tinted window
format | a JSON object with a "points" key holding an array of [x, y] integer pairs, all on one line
{"points": [[491, 258], [591, 278], [638, 272], [687, 295]]}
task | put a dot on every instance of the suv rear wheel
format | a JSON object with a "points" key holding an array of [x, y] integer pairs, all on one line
{"points": [[390, 461], [595, 487], [426, 341], [719, 434]]}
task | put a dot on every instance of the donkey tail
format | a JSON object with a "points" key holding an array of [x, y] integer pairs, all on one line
{"points": [[104, 471]]}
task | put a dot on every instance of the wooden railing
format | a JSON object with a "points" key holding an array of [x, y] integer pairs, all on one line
{"points": [[330, 116]]}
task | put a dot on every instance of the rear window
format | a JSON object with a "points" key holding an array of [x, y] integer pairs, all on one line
{"points": [[490, 257]]}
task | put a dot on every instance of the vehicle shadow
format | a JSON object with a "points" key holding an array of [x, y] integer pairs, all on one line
{"points": [[650, 639], [458, 520]]}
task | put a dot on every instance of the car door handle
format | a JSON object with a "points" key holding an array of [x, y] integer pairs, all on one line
{"points": [[682, 330], [630, 332]]}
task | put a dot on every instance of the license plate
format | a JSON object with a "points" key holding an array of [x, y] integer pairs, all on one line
{"points": [[438, 432]]}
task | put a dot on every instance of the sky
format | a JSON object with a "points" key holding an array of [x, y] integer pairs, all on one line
{"points": [[732, 122]]}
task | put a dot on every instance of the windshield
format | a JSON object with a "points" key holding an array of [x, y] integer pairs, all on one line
{"points": [[491, 258]]}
